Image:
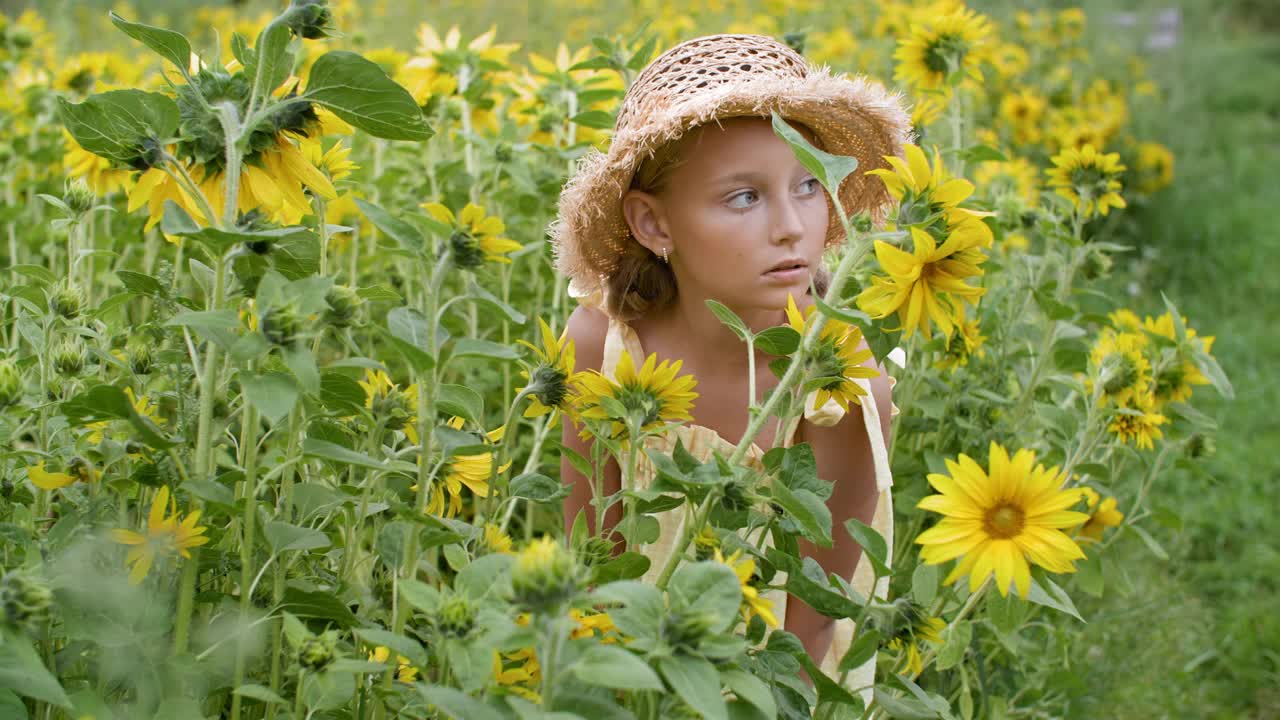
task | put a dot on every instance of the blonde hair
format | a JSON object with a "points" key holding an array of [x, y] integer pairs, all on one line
{"points": [[642, 280]]}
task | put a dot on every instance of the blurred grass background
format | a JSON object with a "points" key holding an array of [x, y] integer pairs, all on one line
{"points": [[1197, 635]]}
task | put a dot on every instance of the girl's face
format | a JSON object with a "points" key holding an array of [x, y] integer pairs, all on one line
{"points": [[743, 221]]}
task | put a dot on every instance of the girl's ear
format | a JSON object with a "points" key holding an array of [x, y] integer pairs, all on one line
{"points": [[644, 214]]}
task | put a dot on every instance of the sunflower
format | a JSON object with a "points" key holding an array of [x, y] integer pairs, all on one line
{"points": [[916, 626], [1088, 179], [1176, 370], [837, 360], [46, 480], [432, 70], [166, 535], [654, 395], [473, 471], [1154, 167], [495, 540], [141, 405], [1102, 515], [597, 625], [966, 343], [940, 47], [551, 378], [928, 109], [752, 603], [476, 237], [926, 284], [1138, 421], [97, 171], [1016, 176], [999, 521], [926, 191], [1120, 363], [1024, 110], [405, 671], [389, 404]]}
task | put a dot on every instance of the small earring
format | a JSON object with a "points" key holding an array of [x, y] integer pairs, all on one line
{"points": [[664, 255]]}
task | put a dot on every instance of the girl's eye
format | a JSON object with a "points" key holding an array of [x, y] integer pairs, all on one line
{"points": [[744, 199], [810, 186]]}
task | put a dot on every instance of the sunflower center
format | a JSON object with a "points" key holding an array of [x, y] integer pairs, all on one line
{"points": [[1004, 521]]}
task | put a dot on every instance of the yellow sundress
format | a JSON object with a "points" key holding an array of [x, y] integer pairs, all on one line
{"points": [[701, 441]]}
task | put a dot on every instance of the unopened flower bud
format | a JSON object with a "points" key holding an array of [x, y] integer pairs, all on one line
{"points": [[344, 303], [67, 300], [544, 574], [69, 355], [862, 222], [316, 653], [466, 251], [78, 196], [457, 617], [1200, 445], [502, 153], [24, 600], [308, 18], [10, 383], [281, 325], [686, 630], [596, 551]]}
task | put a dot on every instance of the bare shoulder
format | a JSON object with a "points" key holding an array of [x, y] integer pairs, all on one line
{"points": [[587, 328]]}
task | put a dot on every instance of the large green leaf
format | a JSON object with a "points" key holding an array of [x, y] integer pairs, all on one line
{"points": [[272, 60], [272, 394], [830, 170], [114, 124], [613, 667], [107, 402], [807, 510], [697, 682], [707, 587], [22, 671], [168, 44], [359, 91]]}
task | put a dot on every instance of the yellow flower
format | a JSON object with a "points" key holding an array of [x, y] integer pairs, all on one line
{"points": [[97, 171], [1138, 421], [141, 404], [1176, 370], [46, 480], [1121, 365], [752, 603], [997, 522], [966, 343], [495, 540], [1102, 515], [477, 237], [1088, 179], [926, 284], [926, 629], [1010, 59], [836, 359], [431, 70], [405, 671], [1024, 110], [473, 471], [166, 535], [522, 678], [552, 376], [927, 192], [333, 162], [1125, 321], [928, 108], [1016, 176], [1154, 167], [597, 625], [656, 394], [391, 405], [941, 46]]}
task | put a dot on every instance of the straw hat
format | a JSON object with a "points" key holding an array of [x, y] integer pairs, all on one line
{"points": [[709, 78]]}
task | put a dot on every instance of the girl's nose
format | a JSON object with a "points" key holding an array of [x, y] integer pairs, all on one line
{"points": [[788, 223]]}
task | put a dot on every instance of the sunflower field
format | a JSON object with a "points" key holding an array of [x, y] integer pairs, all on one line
{"points": [[283, 375]]}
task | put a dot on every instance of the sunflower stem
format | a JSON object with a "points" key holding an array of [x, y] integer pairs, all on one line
{"points": [[249, 452]]}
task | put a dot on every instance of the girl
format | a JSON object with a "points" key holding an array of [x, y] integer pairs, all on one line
{"points": [[698, 199]]}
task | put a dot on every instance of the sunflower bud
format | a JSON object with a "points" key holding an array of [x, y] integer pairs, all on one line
{"points": [[10, 383], [549, 385], [53, 388], [466, 250], [78, 196], [862, 222], [22, 38], [308, 18], [1097, 264], [457, 617], [81, 469], [140, 358], [544, 574], [344, 304], [24, 600], [502, 153], [69, 356], [1200, 445], [67, 300], [281, 325], [316, 653], [687, 630], [596, 551], [795, 41]]}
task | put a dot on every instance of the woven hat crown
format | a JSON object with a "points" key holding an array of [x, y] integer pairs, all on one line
{"points": [[694, 66]]}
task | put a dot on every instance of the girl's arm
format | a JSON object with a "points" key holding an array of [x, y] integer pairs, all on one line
{"points": [[587, 328], [843, 455]]}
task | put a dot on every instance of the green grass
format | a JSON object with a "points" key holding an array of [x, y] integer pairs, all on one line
{"points": [[1198, 636]]}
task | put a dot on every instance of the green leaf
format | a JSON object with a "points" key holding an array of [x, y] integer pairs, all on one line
{"points": [[359, 91], [282, 536], [848, 315], [272, 60], [871, 542], [260, 693], [457, 704], [272, 394], [830, 170], [596, 119], [752, 689], [487, 299], [924, 584], [806, 581], [613, 667], [380, 293], [168, 44], [983, 153], [903, 707], [409, 328], [1152, 544], [729, 318], [780, 340], [462, 401], [115, 123], [22, 671], [807, 510], [707, 587], [955, 642], [538, 488], [484, 348], [481, 577], [420, 596], [177, 221], [35, 272], [642, 609], [627, 566], [697, 683], [320, 605], [141, 283], [314, 447], [862, 650], [302, 363], [406, 235], [1044, 591], [108, 402]]}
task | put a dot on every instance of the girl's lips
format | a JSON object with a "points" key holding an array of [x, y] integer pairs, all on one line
{"points": [[788, 276]]}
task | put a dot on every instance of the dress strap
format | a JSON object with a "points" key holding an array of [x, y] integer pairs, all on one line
{"points": [[620, 336]]}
